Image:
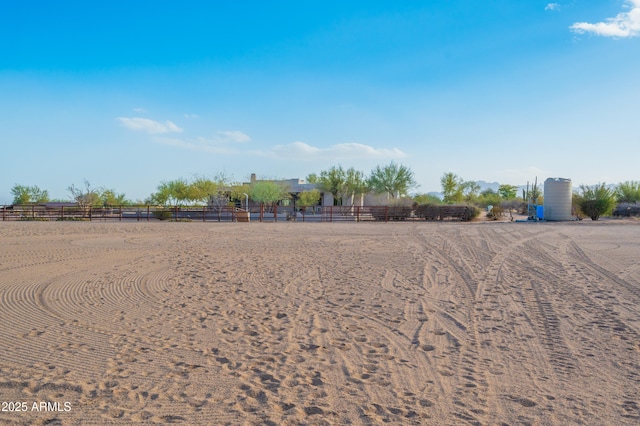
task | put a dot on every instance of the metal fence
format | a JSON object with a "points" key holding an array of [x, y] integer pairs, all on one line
{"points": [[217, 214]]}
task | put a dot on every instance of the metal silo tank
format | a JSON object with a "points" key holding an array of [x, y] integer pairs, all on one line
{"points": [[557, 199]]}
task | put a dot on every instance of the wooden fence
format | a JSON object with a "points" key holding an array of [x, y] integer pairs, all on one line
{"points": [[233, 214]]}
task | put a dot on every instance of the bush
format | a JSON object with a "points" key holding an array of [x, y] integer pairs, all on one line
{"points": [[33, 219], [163, 214], [596, 201], [495, 213]]}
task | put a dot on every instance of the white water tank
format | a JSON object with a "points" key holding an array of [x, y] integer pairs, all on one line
{"points": [[557, 199]]}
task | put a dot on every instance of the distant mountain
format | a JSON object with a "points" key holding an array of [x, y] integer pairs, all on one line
{"points": [[495, 185], [488, 185]]}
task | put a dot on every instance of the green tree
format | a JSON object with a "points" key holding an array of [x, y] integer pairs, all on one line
{"points": [[267, 193], [23, 194], [312, 178], [110, 198], [489, 197], [595, 201], [470, 190], [86, 197], [393, 179], [451, 188], [173, 192], [355, 185], [628, 192], [333, 181], [202, 190], [309, 198], [508, 192], [237, 192]]}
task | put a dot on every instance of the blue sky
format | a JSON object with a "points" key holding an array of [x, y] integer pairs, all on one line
{"points": [[127, 94]]}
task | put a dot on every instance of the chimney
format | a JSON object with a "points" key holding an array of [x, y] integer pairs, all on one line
{"points": [[253, 177]]}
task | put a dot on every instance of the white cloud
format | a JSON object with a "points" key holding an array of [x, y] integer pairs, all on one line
{"points": [[149, 126], [188, 116], [232, 136], [552, 6], [625, 24], [301, 150], [139, 110]]}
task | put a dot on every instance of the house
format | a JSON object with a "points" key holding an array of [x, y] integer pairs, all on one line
{"points": [[296, 186]]}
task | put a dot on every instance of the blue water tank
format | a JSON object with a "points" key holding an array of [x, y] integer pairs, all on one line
{"points": [[540, 212]]}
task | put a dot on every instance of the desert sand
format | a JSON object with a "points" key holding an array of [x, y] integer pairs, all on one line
{"points": [[291, 323]]}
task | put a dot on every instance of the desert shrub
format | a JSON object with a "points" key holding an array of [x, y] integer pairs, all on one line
{"points": [[163, 214], [470, 213], [33, 219], [595, 201], [495, 213]]}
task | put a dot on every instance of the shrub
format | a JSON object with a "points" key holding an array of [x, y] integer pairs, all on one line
{"points": [[596, 201], [495, 213], [163, 214]]}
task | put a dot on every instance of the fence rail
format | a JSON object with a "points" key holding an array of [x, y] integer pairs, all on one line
{"points": [[225, 214]]}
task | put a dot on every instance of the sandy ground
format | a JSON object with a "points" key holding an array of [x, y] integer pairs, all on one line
{"points": [[291, 323]]}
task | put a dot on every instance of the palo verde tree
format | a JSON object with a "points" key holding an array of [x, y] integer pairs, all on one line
{"points": [[268, 193], [595, 201], [86, 197], [312, 178], [355, 185], [393, 179], [171, 193], [628, 192], [451, 188], [308, 198], [23, 194], [508, 192], [470, 190], [201, 190], [110, 198], [333, 181]]}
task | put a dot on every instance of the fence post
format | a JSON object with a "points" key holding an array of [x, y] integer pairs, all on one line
{"points": [[275, 212], [90, 213], [148, 212], [4, 210], [357, 213], [33, 211], [176, 213], [120, 213], [386, 214]]}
